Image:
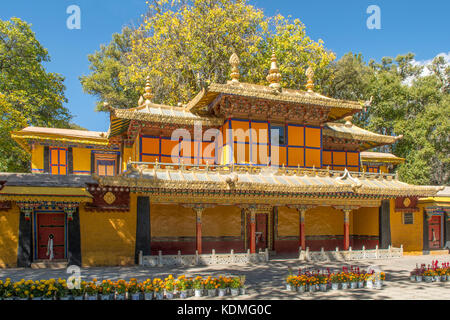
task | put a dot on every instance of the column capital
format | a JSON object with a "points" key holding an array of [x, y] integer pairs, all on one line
{"points": [[346, 209], [302, 207]]}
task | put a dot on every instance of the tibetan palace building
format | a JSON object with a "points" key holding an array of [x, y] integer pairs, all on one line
{"points": [[240, 167]]}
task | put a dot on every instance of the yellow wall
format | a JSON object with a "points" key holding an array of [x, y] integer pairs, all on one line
{"points": [[108, 238], [9, 237], [127, 152], [172, 221], [221, 221], [37, 157], [81, 159], [365, 221], [408, 235], [325, 221], [288, 222]]}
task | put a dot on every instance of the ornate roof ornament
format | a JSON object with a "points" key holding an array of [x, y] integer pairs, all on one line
{"points": [[348, 121], [148, 91], [310, 75], [234, 62], [274, 76]]}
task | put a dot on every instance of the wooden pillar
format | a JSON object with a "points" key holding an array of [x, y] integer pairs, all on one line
{"points": [[252, 230], [301, 235], [25, 245], [198, 232], [346, 228]]}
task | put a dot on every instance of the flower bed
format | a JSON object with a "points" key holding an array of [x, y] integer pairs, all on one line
{"points": [[324, 280], [431, 273], [156, 288]]}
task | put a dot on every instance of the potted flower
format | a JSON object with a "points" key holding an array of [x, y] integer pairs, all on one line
{"points": [[36, 290], [189, 286], [22, 290], [323, 282], [181, 286], [223, 284], [302, 281], [169, 285], [62, 291], [49, 289], [353, 280], [344, 280], [120, 288], [78, 290], [2, 290], [290, 285], [335, 280], [134, 289], [242, 287], [413, 275], [448, 274], [106, 289], [361, 278], [147, 289], [235, 284], [211, 286], [442, 274], [198, 286], [91, 290], [428, 275], [158, 287], [313, 281], [8, 287]]}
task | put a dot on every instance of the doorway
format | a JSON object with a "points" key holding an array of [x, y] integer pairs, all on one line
{"points": [[47, 224]]}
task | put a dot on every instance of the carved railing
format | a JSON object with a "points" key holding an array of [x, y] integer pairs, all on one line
{"points": [[203, 259], [349, 255]]}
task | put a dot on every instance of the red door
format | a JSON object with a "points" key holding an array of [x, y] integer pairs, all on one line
{"points": [[434, 232], [51, 223], [261, 231]]}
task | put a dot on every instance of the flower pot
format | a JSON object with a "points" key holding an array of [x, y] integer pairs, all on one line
{"points": [[428, 278], [344, 285], [159, 295], [242, 291], [183, 294], [169, 294], [437, 278], [234, 292], [448, 277], [335, 286], [198, 292], [301, 289], [222, 292], [211, 292], [120, 296], [65, 298], [35, 298], [148, 296], [444, 278], [369, 284], [91, 297], [23, 299], [412, 278], [47, 298], [312, 288], [289, 287], [360, 284], [136, 296], [323, 287], [419, 278], [105, 297], [378, 284], [191, 292], [354, 285]]}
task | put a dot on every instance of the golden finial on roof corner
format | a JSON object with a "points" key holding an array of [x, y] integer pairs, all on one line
{"points": [[274, 76], [148, 90], [234, 62], [310, 75]]}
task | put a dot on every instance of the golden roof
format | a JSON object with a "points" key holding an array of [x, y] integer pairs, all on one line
{"points": [[250, 179], [26, 193], [340, 108], [367, 156], [351, 132], [60, 135]]}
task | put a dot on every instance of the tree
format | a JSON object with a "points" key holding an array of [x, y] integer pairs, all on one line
{"points": [[185, 45], [29, 96]]}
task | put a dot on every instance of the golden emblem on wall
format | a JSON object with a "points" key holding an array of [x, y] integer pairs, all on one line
{"points": [[109, 198], [406, 202]]}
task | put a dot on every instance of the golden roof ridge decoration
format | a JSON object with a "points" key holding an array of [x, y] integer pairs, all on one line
{"points": [[274, 76], [234, 62], [148, 90], [353, 132]]}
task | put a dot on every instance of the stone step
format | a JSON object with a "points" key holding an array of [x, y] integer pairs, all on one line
{"points": [[46, 264]]}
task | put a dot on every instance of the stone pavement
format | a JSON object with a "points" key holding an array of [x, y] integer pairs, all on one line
{"points": [[266, 281]]}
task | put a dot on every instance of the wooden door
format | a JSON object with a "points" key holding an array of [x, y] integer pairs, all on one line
{"points": [[51, 223], [434, 232]]}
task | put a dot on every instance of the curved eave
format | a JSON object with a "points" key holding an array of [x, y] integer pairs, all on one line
{"points": [[20, 193]]}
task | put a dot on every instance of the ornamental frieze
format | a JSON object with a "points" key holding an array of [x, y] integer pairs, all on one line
{"points": [[107, 198]]}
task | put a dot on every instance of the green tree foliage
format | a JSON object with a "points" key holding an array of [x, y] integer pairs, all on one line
{"points": [[184, 45], [29, 96], [404, 101]]}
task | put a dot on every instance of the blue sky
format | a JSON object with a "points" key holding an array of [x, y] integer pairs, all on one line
{"points": [[406, 26]]}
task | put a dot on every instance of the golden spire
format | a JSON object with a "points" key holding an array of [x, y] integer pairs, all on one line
{"points": [[234, 61], [310, 75], [274, 76], [148, 91]]}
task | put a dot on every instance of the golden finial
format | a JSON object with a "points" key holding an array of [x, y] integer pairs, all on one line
{"points": [[148, 91], [234, 62], [274, 76], [310, 75], [348, 121]]}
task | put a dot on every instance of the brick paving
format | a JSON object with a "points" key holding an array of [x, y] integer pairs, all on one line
{"points": [[266, 281]]}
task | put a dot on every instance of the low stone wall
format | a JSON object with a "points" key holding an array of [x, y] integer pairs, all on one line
{"points": [[350, 254], [203, 259]]}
